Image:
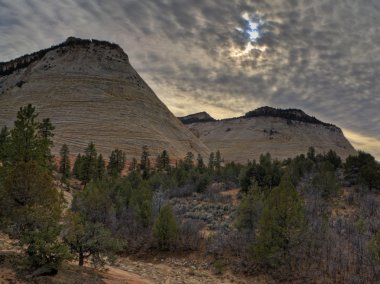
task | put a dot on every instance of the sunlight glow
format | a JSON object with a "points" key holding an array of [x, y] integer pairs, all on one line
{"points": [[252, 31]]}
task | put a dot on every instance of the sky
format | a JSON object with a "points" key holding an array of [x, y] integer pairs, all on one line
{"points": [[228, 57]]}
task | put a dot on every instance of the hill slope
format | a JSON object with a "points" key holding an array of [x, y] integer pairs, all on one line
{"points": [[91, 93], [283, 133]]}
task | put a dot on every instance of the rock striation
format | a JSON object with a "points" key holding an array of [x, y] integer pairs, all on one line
{"points": [[283, 133], [90, 91]]}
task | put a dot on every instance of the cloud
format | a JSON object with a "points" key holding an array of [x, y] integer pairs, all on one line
{"points": [[364, 143], [321, 56]]}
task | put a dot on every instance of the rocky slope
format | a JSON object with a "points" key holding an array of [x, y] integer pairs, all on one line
{"points": [[92, 93], [283, 133]]}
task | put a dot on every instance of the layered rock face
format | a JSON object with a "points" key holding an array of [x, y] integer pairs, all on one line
{"points": [[283, 133], [91, 92]]}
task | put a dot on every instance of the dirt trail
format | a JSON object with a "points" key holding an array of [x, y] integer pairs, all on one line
{"points": [[118, 276]]}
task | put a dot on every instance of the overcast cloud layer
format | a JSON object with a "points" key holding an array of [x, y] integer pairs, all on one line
{"points": [[322, 56]]}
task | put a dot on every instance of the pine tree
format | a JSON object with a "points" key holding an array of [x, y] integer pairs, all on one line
{"points": [[30, 206], [45, 130], [374, 247], [163, 162], [89, 163], [25, 142], [250, 209], [280, 224], [189, 161], [211, 162], [141, 203], [77, 169], [4, 136], [311, 154], [218, 162], [133, 166], [100, 167], [116, 163], [145, 163], [64, 164], [200, 163]]}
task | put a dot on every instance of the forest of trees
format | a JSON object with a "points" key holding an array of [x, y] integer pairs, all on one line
{"points": [[282, 224]]}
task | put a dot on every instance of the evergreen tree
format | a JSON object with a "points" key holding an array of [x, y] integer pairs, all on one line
{"points": [[363, 169], [116, 162], [25, 142], [158, 165], [189, 161], [4, 136], [218, 162], [280, 224], [64, 164], [325, 183], [211, 162], [145, 163], [374, 247], [311, 154], [133, 166], [163, 161], [89, 163], [77, 169], [30, 206], [200, 163], [100, 167], [250, 209], [89, 240], [165, 228], [334, 159], [45, 130], [141, 203]]}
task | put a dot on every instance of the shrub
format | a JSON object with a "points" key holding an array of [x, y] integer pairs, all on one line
{"points": [[165, 228]]}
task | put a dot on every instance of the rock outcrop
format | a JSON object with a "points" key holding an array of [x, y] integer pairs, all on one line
{"points": [[196, 117], [90, 91], [283, 133]]}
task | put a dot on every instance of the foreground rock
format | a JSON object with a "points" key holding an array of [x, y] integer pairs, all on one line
{"points": [[92, 93], [283, 133]]}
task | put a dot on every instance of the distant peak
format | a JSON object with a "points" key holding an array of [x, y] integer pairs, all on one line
{"points": [[196, 117], [289, 114]]}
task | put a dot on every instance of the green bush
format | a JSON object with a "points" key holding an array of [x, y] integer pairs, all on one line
{"points": [[165, 228]]}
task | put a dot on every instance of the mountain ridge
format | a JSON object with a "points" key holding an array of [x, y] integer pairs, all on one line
{"points": [[282, 132], [91, 92], [264, 111]]}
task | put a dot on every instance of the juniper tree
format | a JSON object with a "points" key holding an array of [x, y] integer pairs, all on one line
{"points": [[89, 239]]}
